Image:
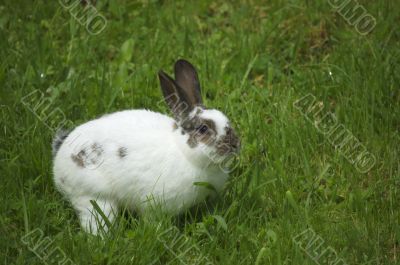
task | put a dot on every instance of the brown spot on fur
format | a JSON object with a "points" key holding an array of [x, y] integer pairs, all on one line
{"points": [[88, 156], [96, 146], [96, 152], [79, 158], [174, 126], [122, 152]]}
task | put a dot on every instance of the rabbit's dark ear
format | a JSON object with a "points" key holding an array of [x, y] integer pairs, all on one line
{"points": [[174, 96], [186, 77]]}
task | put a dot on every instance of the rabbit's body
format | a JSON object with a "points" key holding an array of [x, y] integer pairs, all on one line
{"points": [[135, 158], [139, 158]]}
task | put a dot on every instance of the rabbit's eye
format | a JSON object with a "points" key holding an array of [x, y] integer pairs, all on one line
{"points": [[203, 129]]}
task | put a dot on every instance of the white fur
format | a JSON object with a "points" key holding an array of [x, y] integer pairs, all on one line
{"points": [[159, 166], [221, 121]]}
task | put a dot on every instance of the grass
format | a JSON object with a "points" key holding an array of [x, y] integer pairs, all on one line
{"points": [[255, 59]]}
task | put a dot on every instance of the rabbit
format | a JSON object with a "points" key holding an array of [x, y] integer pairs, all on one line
{"points": [[139, 158]]}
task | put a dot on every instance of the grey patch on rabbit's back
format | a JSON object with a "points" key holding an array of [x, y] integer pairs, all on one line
{"points": [[88, 155], [96, 147], [95, 154], [122, 152], [78, 158]]}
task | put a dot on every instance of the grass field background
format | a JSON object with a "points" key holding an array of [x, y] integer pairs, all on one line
{"points": [[255, 59]]}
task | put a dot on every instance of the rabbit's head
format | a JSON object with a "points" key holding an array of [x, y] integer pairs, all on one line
{"points": [[207, 132]]}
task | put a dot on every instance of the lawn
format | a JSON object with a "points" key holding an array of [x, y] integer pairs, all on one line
{"points": [[298, 80]]}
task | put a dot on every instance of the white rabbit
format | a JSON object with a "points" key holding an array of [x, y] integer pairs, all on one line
{"points": [[136, 158]]}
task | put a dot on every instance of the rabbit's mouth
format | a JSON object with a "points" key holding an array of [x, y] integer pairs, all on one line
{"points": [[224, 150]]}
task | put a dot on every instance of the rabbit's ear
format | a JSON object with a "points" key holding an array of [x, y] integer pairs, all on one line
{"points": [[186, 77], [174, 96]]}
